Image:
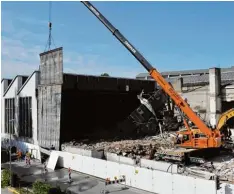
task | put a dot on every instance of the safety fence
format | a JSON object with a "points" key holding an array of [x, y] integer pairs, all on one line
{"points": [[146, 179]]}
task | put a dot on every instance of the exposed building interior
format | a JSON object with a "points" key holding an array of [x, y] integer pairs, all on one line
{"points": [[66, 107]]}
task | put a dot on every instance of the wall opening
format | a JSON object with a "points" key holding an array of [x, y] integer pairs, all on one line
{"points": [[10, 115], [25, 117]]}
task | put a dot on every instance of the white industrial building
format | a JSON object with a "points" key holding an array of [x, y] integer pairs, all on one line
{"points": [[19, 111]]}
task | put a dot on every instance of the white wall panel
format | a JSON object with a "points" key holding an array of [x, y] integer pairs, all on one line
{"points": [[162, 182], [100, 169], [128, 171], [112, 169], [87, 165], [67, 157], [205, 186], [125, 160], [76, 162], [53, 159], [183, 184], [73, 150], [146, 179], [112, 157], [158, 165], [143, 179]]}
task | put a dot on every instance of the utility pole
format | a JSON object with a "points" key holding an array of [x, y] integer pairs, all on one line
{"points": [[12, 121]]}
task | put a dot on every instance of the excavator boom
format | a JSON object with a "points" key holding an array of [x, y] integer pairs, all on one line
{"points": [[153, 72]]}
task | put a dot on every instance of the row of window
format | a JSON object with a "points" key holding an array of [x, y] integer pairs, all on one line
{"points": [[24, 117]]}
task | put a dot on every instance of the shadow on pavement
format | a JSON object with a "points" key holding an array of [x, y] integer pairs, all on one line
{"points": [[117, 190], [86, 185]]}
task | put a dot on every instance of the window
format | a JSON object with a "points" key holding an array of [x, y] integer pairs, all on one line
{"points": [[10, 115], [25, 117]]}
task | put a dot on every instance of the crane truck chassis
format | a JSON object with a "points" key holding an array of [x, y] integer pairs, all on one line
{"points": [[203, 139]]}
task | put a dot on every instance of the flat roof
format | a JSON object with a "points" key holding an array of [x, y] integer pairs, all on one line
{"points": [[185, 72]]}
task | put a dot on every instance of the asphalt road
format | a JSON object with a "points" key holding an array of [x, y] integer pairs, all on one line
{"points": [[5, 191], [81, 183]]}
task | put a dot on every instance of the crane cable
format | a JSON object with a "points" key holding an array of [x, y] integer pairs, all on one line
{"points": [[50, 38]]}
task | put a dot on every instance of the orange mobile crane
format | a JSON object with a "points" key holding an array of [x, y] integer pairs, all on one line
{"points": [[203, 136]]}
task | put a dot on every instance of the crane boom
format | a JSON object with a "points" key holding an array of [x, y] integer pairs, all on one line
{"points": [[153, 72]]}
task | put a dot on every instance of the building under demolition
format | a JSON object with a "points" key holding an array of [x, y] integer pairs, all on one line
{"points": [[209, 91], [50, 107]]}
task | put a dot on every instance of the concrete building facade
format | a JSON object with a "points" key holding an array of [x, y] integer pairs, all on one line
{"points": [[209, 91], [51, 107]]}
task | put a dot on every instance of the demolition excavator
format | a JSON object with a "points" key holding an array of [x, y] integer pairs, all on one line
{"points": [[191, 140]]}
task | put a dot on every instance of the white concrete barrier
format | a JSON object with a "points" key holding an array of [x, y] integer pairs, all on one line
{"points": [[100, 168], [112, 169], [126, 160], [143, 179], [112, 157], [162, 182], [88, 165], [205, 186], [129, 172], [158, 165], [151, 180], [84, 152], [183, 184]]}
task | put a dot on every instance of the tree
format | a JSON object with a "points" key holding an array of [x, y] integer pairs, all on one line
{"points": [[105, 75]]}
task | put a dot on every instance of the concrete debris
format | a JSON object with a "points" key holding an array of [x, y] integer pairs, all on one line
{"points": [[225, 170], [145, 148], [222, 166]]}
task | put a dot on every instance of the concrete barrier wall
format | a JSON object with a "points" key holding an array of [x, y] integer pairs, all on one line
{"points": [[112, 157], [146, 179], [156, 165], [83, 152], [120, 159]]}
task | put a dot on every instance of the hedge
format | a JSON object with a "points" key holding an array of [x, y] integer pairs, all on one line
{"points": [[5, 181]]}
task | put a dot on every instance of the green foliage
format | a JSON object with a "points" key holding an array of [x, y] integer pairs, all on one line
{"points": [[56, 190], [41, 188], [105, 74], [5, 181], [44, 188]]}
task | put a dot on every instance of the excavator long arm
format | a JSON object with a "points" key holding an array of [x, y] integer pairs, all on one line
{"points": [[153, 72]]}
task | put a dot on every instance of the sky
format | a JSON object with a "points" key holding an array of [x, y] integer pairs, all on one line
{"points": [[170, 35]]}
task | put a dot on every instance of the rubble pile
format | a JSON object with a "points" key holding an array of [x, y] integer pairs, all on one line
{"points": [[226, 170], [222, 166], [144, 148]]}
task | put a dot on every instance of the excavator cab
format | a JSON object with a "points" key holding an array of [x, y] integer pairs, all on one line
{"points": [[196, 139]]}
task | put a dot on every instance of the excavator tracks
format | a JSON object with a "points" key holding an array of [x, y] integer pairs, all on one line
{"points": [[179, 155], [191, 156]]}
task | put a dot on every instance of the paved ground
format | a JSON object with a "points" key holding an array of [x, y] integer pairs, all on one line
{"points": [[81, 183], [5, 191]]}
